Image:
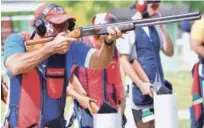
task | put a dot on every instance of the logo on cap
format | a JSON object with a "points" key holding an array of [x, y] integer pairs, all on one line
{"points": [[59, 9]]}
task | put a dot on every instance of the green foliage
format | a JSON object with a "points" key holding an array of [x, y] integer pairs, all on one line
{"points": [[16, 13]]}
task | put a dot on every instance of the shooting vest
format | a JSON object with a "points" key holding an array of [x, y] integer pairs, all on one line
{"points": [[148, 49], [105, 90], [104, 78], [37, 97]]}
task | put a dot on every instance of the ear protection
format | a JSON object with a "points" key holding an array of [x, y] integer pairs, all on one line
{"points": [[141, 6], [40, 24]]}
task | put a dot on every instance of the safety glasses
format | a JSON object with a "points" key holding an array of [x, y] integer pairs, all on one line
{"points": [[61, 26], [155, 6]]}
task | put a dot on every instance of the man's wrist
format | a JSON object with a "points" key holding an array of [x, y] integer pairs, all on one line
{"points": [[139, 83], [48, 48], [108, 44]]}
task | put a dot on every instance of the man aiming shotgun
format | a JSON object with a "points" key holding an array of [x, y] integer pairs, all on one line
{"points": [[38, 78]]}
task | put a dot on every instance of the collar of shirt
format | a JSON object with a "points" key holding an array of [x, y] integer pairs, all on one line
{"points": [[146, 29]]}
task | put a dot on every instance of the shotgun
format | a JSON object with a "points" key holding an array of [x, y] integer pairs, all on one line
{"points": [[101, 29]]}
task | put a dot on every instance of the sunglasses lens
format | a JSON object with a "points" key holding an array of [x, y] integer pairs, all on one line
{"points": [[61, 26], [155, 6]]}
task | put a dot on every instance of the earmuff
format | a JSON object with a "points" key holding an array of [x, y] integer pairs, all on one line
{"points": [[40, 24], [141, 6]]}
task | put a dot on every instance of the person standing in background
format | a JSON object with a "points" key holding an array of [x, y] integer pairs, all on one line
{"points": [[140, 59]]}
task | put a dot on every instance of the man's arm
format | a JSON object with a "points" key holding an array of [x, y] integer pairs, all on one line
{"points": [[4, 88], [23, 62], [167, 47], [101, 58], [138, 68], [78, 94], [145, 87], [77, 86], [129, 70], [20, 61]]}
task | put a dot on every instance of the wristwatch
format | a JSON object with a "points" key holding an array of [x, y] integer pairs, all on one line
{"points": [[108, 44]]}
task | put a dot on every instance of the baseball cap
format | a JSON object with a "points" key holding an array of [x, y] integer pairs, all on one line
{"points": [[56, 15], [103, 18]]}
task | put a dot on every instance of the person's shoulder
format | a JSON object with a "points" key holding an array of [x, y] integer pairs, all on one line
{"points": [[199, 23], [15, 35]]}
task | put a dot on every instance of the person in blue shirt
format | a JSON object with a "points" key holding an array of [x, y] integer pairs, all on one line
{"points": [[38, 78]]}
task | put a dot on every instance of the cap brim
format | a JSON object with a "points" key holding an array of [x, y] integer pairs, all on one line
{"points": [[58, 19]]}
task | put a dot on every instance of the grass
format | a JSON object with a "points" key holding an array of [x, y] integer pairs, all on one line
{"points": [[181, 82]]}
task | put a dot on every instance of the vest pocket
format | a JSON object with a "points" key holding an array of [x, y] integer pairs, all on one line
{"points": [[55, 87], [55, 82]]}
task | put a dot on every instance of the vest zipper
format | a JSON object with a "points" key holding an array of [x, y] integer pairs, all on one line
{"points": [[157, 72]]}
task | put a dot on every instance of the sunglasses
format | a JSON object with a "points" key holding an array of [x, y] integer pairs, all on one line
{"points": [[155, 6], [61, 26]]}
